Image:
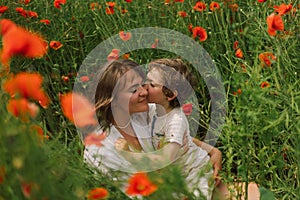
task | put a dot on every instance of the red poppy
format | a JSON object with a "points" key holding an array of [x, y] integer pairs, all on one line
{"points": [[261, 1], [154, 45], [199, 32], [97, 194], [123, 11], [19, 85], [22, 108], [55, 45], [65, 78], [2, 174], [128, 1], [95, 5], [45, 21], [22, 11], [235, 44], [180, 1], [84, 79], [283, 9], [57, 3], [187, 108], [28, 188], [264, 84], [239, 91], [200, 6], [40, 133], [125, 36], [275, 23], [214, 6], [32, 14], [3, 9], [18, 41], [190, 28], [110, 10], [78, 109], [266, 59], [139, 184], [25, 1], [126, 55], [113, 55], [182, 13], [239, 53], [234, 7], [94, 139]]}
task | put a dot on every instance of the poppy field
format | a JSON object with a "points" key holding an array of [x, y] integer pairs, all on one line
{"points": [[253, 43]]}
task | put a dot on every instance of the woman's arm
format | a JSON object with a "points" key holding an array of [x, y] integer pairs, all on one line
{"points": [[150, 160], [215, 157]]}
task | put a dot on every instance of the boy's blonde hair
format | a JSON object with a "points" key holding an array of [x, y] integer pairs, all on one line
{"points": [[176, 76]]}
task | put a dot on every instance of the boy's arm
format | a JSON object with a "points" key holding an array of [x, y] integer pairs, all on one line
{"points": [[151, 160], [215, 157]]}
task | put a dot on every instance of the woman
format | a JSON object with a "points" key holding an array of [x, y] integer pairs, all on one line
{"points": [[123, 112]]}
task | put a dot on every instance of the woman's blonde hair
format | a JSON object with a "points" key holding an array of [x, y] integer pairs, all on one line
{"points": [[108, 80]]}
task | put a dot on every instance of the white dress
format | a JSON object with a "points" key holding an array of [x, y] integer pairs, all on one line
{"points": [[173, 127], [108, 161]]}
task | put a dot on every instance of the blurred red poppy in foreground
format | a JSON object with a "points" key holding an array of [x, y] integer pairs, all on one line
{"points": [[28, 86], [78, 109], [22, 108], [18, 41], [97, 194], [94, 139], [2, 174], [275, 23], [139, 184]]}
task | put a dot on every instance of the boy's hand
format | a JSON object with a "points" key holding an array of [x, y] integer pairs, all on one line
{"points": [[121, 144]]}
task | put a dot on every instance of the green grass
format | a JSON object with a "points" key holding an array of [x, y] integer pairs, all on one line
{"points": [[260, 140]]}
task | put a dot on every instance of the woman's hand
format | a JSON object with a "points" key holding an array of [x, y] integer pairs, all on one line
{"points": [[215, 158]]}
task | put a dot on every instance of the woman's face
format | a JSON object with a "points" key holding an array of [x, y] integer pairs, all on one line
{"points": [[131, 97]]}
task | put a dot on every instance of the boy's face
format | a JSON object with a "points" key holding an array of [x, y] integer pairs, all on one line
{"points": [[155, 84]]}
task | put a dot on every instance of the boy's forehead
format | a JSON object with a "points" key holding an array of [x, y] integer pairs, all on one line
{"points": [[156, 76]]}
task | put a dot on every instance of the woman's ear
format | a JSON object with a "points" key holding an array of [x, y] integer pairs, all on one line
{"points": [[175, 93]]}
